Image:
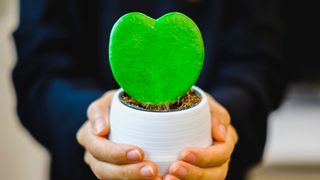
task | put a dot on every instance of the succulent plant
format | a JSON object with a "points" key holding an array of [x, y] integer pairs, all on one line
{"points": [[156, 61]]}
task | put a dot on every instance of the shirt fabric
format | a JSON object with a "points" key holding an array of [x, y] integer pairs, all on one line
{"points": [[62, 66]]}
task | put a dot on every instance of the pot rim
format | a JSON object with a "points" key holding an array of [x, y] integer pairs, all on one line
{"points": [[198, 91]]}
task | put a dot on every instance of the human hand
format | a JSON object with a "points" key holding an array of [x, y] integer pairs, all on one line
{"points": [[211, 162], [106, 159]]}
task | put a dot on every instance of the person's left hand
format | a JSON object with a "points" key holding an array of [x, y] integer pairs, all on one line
{"points": [[211, 162]]}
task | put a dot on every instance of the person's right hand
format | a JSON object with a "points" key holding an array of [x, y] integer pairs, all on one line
{"points": [[106, 159]]}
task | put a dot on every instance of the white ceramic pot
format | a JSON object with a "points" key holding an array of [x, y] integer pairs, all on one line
{"points": [[162, 135]]}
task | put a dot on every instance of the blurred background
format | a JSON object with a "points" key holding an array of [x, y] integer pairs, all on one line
{"points": [[292, 150]]}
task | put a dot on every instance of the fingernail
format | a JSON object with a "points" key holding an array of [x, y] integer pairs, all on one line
{"points": [[180, 171], [98, 125], [147, 171], [190, 157], [134, 155], [223, 130]]}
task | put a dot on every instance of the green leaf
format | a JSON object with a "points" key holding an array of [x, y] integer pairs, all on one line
{"points": [[156, 61]]}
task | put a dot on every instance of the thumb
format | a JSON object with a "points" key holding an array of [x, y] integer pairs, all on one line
{"points": [[98, 114]]}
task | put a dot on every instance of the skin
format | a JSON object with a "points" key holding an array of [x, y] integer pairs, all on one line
{"points": [[109, 160]]}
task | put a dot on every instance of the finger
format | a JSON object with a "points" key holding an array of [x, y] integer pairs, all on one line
{"points": [[142, 170], [187, 171], [107, 151], [234, 134], [220, 120], [170, 177], [217, 173], [98, 113], [214, 155], [157, 178]]}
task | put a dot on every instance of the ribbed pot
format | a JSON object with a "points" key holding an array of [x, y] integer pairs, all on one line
{"points": [[162, 135]]}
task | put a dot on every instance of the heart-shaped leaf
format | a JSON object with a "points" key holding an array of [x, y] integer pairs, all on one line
{"points": [[156, 61]]}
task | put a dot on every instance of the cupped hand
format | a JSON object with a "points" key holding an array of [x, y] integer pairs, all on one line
{"points": [[106, 159], [211, 162]]}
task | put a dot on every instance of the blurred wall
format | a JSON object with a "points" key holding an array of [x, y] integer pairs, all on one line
{"points": [[21, 158]]}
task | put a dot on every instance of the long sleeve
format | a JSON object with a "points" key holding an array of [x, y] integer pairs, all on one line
{"points": [[250, 78], [61, 45], [55, 80]]}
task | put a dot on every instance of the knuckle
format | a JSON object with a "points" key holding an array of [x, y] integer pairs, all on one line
{"points": [[178, 163], [130, 172], [226, 115], [78, 136], [92, 146], [124, 172], [230, 147], [206, 161], [92, 107], [226, 156], [97, 170], [86, 158], [235, 135], [117, 156]]}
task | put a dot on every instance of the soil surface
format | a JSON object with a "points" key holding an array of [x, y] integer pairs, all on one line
{"points": [[189, 100]]}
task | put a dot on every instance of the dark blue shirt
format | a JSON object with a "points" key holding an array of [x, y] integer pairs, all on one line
{"points": [[63, 66]]}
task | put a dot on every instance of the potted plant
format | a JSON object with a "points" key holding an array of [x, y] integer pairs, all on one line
{"points": [[156, 63]]}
